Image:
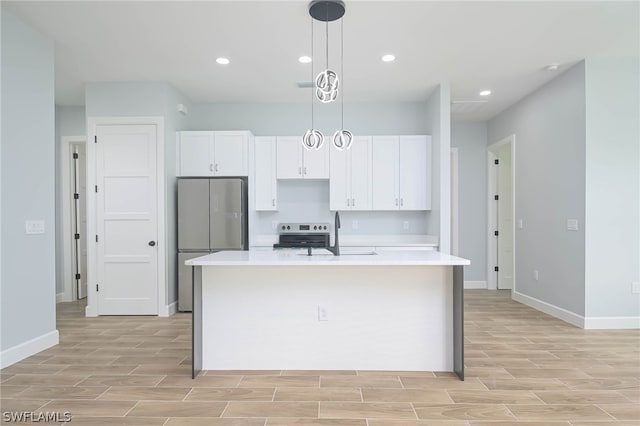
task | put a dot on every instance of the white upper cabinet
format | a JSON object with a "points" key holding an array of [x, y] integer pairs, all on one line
{"points": [[350, 184], [296, 162], [210, 153], [265, 173], [401, 172]]}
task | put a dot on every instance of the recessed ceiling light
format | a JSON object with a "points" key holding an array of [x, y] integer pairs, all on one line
{"points": [[552, 67], [304, 59], [222, 61], [388, 58], [485, 93]]}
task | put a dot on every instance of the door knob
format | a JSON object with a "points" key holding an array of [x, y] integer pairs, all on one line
{"points": [[152, 243]]}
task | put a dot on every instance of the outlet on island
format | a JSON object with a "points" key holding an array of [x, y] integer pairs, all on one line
{"points": [[323, 313]]}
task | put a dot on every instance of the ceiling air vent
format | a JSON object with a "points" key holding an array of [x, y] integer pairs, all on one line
{"points": [[465, 107]]}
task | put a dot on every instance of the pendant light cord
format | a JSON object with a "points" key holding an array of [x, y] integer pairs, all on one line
{"points": [[327, 35], [342, 73], [313, 86]]}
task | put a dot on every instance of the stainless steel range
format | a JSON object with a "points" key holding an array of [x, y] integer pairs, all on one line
{"points": [[303, 235]]}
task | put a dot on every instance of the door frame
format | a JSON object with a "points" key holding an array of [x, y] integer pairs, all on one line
{"points": [[68, 294], [492, 209], [92, 124]]}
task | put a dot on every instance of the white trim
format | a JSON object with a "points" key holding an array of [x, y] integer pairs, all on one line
{"points": [[469, 285], [611, 323], [492, 189], [455, 238], [60, 298], [548, 308], [92, 123], [169, 310], [30, 347], [67, 217]]}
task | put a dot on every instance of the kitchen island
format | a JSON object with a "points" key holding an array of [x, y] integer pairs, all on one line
{"points": [[282, 309]]}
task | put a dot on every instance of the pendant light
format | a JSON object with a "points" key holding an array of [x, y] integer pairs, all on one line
{"points": [[327, 82]]}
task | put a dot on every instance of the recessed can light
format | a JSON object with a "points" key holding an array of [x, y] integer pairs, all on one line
{"points": [[552, 67], [304, 59], [222, 61], [485, 93], [388, 58]]}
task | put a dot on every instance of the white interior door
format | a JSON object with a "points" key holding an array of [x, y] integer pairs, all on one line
{"points": [[79, 212], [505, 219], [127, 219]]}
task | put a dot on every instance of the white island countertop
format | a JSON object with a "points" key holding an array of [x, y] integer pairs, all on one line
{"points": [[320, 257]]}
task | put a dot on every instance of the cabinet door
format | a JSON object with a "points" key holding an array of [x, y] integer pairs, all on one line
{"points": [[289, 157], [230, 154], [414, 169], [339, 180], [384, 170], [315, 162], [360, 171], [265, 173], [194, 154]]}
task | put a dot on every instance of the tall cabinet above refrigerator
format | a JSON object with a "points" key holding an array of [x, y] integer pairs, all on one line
{"points": [[212, 216]]}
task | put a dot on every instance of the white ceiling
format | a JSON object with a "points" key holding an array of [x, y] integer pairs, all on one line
{"points": [[501, 46]]}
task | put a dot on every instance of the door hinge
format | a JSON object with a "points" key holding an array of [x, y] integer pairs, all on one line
{"points": [[495, 233], [496, 197], [76, 196], [96, 188], [95, 139], [96, 238], [76, 236], [496, 161], [495, 268], [77, 276], [75, 155], [97, 287]]}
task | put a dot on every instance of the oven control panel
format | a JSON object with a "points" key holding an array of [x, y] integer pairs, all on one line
{"points": [[303, 228]]}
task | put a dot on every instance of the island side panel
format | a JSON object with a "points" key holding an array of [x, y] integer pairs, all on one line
{"points": [[458, 321], [196, 322], [379, 318]]}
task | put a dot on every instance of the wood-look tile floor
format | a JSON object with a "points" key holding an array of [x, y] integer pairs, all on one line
{"points": [[522, 367]]}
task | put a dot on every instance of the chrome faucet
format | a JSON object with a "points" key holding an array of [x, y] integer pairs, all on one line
{"points": [[336, 245]]}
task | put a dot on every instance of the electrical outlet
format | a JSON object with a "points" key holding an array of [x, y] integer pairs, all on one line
{"points": [[520, 224], [536, 275], [34, 226], [405, 224], [354, 224], [572, 224], [323, 313], [274, 224], [635, 287]]}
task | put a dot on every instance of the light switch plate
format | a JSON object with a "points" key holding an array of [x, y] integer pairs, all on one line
{"points": [[34, 226], [572, 224], [405, 224], [520, 224]]}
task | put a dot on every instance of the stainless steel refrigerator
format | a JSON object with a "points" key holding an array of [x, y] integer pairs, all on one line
{"points": [[212, 216]]}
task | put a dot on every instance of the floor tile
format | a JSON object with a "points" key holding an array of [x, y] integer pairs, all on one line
{"points": [[177, 409], [271, 409], [231, 394], [462, 412], [369, 410]]}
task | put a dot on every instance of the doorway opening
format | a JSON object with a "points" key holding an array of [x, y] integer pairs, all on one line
{"points": [[74, 190], [501, 213]]}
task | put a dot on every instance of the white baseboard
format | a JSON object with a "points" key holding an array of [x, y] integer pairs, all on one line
{"points": [[169, 310], [611, 323], [31, 347], [475, 285], [548, 308], [60, 297]]}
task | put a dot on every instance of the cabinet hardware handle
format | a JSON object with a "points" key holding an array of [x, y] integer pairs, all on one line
{"points": [[305, 170], [273, 202], [216, 167], [396, 201], [353, 202], [401, 201], [210, 167], [347, 202], [300, 170]]}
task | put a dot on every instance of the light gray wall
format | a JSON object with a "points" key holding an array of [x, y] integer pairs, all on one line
{"points": [[141, 98], [70, 121], [438, 124], [471, 140], [613, 186], [309, 200], [549, 128], [28, 184]]}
